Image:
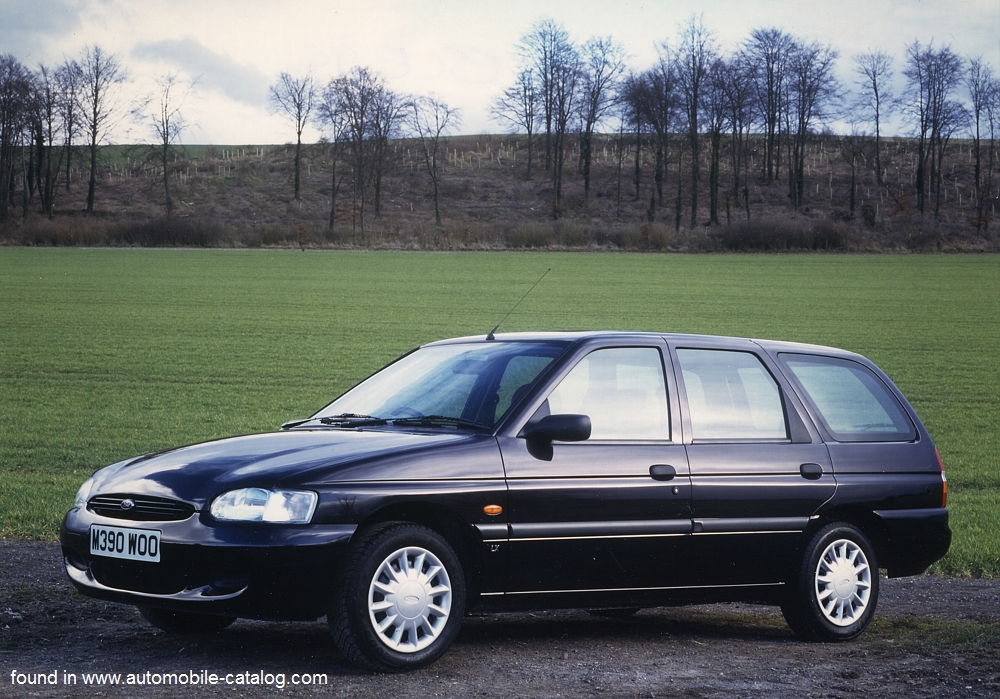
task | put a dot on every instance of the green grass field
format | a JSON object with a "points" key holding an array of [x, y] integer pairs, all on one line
{"points": [[110, 353]]}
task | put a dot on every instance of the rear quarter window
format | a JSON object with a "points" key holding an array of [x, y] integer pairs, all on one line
{"points": [[854, 404]]}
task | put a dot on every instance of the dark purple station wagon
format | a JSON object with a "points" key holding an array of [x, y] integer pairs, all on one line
{"points": [[606, 471]]}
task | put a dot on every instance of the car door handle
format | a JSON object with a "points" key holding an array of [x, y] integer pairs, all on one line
{"points": [[811, 472], [662, 472]]}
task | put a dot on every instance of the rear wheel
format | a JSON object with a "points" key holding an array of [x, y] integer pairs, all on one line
{"points": [[185, 622], [401, 599], [833, 594]]}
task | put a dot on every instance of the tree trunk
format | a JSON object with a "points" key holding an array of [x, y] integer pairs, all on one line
{"points": [[678, 205], [638, 164], [92, 184], [298, 161], [695, 176], [333, 193], [166, 180]]}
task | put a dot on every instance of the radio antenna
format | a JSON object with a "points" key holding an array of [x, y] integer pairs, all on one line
{"points": [[490, 336]]}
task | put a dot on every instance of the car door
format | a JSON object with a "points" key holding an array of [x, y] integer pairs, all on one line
{"points": [[758, 470], [612, 511]]}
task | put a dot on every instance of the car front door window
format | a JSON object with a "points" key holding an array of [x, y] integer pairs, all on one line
{"points": [[623, 392]]}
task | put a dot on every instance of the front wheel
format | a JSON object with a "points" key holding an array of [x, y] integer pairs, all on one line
{"points": [[401, 599], [832, 595]]}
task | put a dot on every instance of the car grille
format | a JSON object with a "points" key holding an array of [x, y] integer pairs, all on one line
{"points": [[144, 508]]}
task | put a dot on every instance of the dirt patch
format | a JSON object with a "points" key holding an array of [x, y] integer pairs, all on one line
{"points": [[933, 637]]}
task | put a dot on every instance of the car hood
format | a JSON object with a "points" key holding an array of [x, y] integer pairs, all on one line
{"points": [[197, 472]]}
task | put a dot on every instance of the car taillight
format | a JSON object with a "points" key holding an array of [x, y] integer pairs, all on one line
{"points": [[944, 480]]}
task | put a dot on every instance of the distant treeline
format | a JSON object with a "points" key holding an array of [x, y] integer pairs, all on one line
{"points": [[700, 139]]}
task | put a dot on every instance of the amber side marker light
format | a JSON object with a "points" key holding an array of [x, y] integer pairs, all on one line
{"points": [[944, 480], [492, 510]]}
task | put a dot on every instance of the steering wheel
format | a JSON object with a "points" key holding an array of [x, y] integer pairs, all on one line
{"points": [[407, 411]]}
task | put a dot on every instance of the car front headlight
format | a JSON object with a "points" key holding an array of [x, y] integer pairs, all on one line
{"points": [[260, 505], [83, 493]]}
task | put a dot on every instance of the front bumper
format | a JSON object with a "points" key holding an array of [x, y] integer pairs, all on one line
{"points": [[242, 569]]}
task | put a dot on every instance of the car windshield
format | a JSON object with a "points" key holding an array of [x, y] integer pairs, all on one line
{"points": [[453, 385]]}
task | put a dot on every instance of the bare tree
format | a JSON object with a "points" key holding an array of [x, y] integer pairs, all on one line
{"points": [[101, 104], [984, 102], [331, 118], [737, 87], [624, 113], [431, 119], [373, 115], [293, 97], [389, 116], [812, 89], [874, 70], [630, 113], [564, 104], [167, 123], [69, 78], [546, 49], [932, 76], [48, 126], [767, 52], [15, 98], [717, 112], [659, 103], [357, 92], [518, 106], [695, 55], [601, 67], [853, 149], [993, 120]]}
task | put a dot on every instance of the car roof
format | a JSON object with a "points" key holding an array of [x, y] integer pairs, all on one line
{"points": [[673, 338]]}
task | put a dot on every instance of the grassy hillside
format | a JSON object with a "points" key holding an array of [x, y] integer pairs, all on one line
{"points": [[241, 195], [110, 353]]}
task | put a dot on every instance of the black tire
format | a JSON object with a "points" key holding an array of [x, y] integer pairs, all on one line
{"points": [[185, 622], [418, 623], [833, 594]]}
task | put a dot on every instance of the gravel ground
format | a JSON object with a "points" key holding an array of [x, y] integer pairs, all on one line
{"points": [[933, 637]]}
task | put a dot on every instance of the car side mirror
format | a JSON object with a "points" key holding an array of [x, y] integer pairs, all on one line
{"points": [[558, 428]]}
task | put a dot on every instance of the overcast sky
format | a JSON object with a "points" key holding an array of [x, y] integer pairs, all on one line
{"points": [[460, 50]]}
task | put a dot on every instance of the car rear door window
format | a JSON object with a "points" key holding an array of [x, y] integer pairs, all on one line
{"points": [[731, 396], [854, 404]]}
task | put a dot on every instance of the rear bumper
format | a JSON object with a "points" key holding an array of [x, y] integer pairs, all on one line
{"points": [[914, 539], [261, 572]]}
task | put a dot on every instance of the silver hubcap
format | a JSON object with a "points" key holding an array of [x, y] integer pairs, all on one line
{"points": [[409, 599], [843, 582]]}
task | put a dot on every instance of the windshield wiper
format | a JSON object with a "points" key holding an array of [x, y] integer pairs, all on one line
{"points": [[430, 420], [352, 420], [295, 423]]}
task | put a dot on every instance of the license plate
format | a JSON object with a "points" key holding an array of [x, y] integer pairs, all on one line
{"points": [[129, 543]]}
